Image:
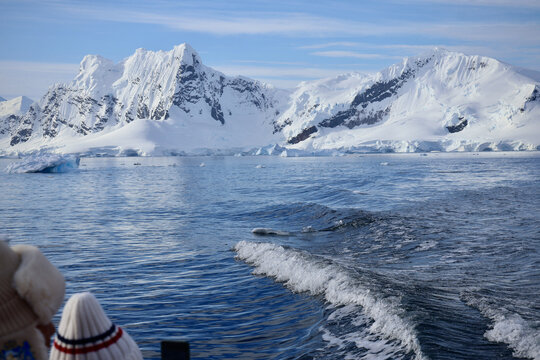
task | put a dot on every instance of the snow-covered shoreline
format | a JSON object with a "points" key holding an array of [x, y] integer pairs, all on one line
{"points": [[273, 151]]}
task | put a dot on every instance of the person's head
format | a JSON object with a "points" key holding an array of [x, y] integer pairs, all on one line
{"points": [[85, 332], [31, 292]]}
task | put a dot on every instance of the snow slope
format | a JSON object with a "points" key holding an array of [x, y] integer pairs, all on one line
{"points": [[150, 102], [161, 102], [11, 113], [440, 101], [15, 106]]}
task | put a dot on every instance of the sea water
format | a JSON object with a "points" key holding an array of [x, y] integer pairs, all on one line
{"points": [[354, 257]]}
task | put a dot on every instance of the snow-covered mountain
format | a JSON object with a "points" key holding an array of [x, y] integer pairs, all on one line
{"points": [[150, 102], [12, 112], [169, 102], [15, 106], [441, 101]]}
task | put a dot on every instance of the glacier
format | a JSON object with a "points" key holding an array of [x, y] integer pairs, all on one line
{"points": [[170, 103], [43, 162]]}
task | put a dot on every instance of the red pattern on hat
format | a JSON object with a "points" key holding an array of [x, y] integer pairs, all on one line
{"points": [[92, 348]]}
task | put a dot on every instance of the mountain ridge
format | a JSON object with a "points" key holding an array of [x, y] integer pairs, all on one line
{"points": [[447, 100], [433, 94]]}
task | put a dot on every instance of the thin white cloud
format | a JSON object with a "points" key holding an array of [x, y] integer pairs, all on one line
{"points": [[268, 72], [286, 77], [306, 25], [351, 54], [220, 23], [280, 83], [410, 49], [270, 62], [512, 33], [331, 44], [486, 3], [32, 79], [404, 49]]}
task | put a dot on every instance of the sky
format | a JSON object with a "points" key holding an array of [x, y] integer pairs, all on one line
{"points": [[279, 42]]}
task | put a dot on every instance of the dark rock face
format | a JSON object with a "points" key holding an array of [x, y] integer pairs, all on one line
{"points": [[101, 112], [195, 84], [9, 123], [252, 90], [363, 118], [338, 119], [352, 118], [217, 114], [192, 87], [50, 118], [142, 111], [21, 135], [303, 135], [108, 103], [279, 127], [359, 113], [160, 113], [381, 90], [480, 65], [459, 126], [23, 132], [188, 88], [535, 95]]}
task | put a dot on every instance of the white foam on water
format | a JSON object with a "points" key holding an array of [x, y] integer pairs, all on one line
{"points": [[308, 229], [44, 162], [426, 245], [509, 328], [517, 333], [372, 346], [303, 272]]}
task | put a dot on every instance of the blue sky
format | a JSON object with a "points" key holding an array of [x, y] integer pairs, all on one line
{"points": [[280, 42]]}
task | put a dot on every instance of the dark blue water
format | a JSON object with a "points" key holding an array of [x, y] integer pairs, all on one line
{"points": [[380, 257]]}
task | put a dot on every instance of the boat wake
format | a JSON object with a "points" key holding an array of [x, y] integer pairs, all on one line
{"points": [[382, 318]]}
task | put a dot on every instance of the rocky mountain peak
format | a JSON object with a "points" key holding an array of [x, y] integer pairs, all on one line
{"points": [[148, 85], [187, 53], [449, 98]]}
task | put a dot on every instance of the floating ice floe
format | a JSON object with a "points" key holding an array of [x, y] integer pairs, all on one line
{"points": [[45, 163]]}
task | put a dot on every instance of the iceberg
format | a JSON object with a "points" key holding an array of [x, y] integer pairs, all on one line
{"points": [[45, 163]]}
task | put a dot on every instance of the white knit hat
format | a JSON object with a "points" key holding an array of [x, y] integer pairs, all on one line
{"points": [[85, 332], [31, 291]]}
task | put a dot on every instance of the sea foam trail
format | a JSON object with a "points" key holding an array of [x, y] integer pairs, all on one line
{"points": [[517, 333], [509, 328], [302, 272]]}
